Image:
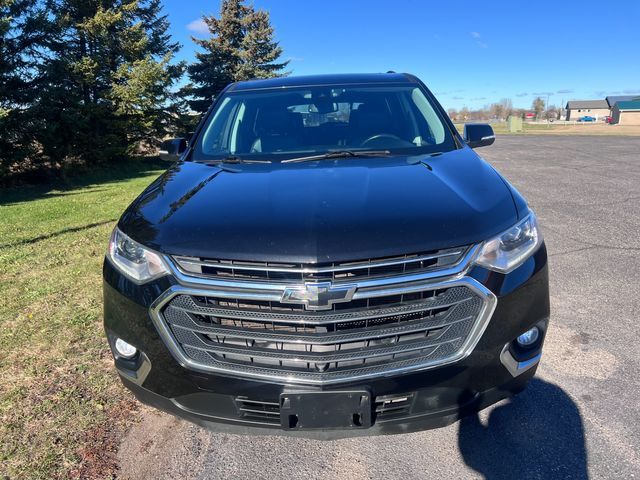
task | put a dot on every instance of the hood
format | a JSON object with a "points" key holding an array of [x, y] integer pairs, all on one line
{"points": [[346, 209]]}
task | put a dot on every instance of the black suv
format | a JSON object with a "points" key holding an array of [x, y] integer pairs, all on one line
{"points": [[328, 258]]}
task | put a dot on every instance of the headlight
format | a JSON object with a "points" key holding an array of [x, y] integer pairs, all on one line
{"points": [[134, 260], [510, 249]]}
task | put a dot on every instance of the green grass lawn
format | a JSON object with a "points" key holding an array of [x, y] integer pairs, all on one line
{"points": [[61, 404]]}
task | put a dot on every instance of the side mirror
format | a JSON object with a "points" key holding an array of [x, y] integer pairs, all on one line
{"points": [[172, 150], [478, 135]]}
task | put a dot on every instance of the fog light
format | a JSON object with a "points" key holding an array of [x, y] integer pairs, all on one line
{"points": [[529, 337], [124, 349]]}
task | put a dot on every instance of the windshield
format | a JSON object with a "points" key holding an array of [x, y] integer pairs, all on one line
{"points": [[280, 124]]}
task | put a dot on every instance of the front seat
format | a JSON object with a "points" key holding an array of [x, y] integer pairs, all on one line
{"points": [[276, 130], [369, 120]]}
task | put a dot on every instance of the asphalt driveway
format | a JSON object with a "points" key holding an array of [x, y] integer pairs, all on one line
{"points": [[580, 417]]}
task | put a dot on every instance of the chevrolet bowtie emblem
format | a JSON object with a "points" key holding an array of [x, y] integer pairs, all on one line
{"points": [[318, 296]]}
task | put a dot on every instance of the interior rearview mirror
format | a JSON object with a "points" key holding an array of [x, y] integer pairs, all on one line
{"points": [[171, 150], [324, 102], [478, 135]]}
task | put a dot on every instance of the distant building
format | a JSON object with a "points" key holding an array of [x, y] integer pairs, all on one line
{"points": [[590, 108], [612, 100], [626, 112]]}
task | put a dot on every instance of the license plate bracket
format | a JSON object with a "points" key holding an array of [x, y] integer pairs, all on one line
{"points": [[325, 410]]}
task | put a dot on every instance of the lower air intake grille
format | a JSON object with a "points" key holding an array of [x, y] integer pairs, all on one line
{"points": [[267, 412], [386, 407], [393, 406]]}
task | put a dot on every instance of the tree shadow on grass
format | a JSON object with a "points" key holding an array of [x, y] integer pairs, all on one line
{"points": [[28, 241], [116, 172], [537, 434]]}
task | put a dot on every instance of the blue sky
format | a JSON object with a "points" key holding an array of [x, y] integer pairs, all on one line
{"points": [[469, 53]]}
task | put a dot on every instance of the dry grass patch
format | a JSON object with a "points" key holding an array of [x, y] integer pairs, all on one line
{"points": [[586, 128]]}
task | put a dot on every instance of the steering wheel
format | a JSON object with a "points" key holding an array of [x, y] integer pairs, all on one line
{"points": [[381, 136]]}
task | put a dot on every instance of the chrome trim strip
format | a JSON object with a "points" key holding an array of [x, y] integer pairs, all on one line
{"points": [[273, 290], [267, 375], [140, 375], [517, 368], [180, 261]]}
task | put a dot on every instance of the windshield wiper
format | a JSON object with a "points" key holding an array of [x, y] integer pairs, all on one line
{"points": [[339, 154], [234, 159]]}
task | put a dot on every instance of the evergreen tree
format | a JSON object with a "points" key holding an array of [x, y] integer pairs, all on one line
{"points": [[107, 83], [241, 47], [20, 34]]}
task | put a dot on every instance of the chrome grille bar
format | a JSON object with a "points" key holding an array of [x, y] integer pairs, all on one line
{"points": [[272, 290], [319, 338], [451, 297], [362, 353], [194, 264]]}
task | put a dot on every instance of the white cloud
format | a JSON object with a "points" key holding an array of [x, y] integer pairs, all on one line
{"points": [[476, 36], [198, 26]]}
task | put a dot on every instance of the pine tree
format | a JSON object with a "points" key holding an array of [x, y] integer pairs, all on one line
{"points": [[241, 47], [107, 84], [20, 34]]}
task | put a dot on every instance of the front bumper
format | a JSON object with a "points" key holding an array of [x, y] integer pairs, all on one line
{"points": [[433, 398]]}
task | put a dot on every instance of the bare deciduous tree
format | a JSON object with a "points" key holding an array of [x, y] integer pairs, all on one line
{"points": [[538, 106]]}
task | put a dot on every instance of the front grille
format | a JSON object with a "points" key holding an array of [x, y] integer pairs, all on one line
{"points": [[364, 337], [337, 271], [323, 324], [391, 406]]}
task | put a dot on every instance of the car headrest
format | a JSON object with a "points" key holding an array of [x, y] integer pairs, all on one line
{"points": [[277, 122], [370, 119]]}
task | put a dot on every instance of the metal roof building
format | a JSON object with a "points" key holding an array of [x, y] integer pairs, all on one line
{"points": [[626, 113], [590, 108], [613, 99], [586, 104]]}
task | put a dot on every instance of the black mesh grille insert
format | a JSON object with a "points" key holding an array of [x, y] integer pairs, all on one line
{"points": [[261, 337]]}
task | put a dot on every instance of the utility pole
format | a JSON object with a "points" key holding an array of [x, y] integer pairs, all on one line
{"points": [[547, 110]]}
